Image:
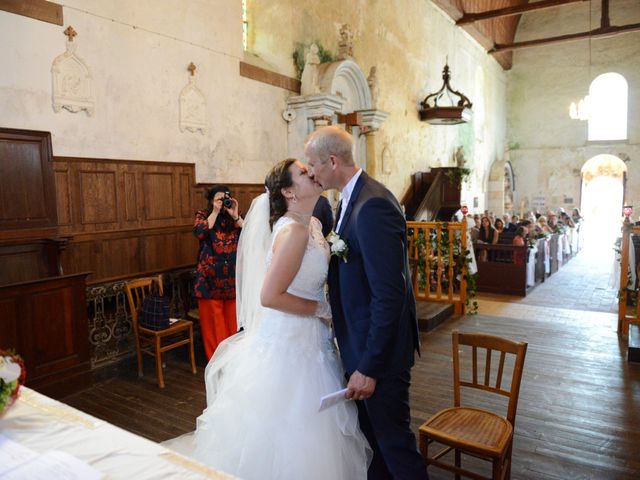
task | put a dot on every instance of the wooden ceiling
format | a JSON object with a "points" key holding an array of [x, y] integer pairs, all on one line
{"points": [[493, 23]]}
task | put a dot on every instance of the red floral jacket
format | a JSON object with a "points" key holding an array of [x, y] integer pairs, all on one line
{"points": [[216, 271]]}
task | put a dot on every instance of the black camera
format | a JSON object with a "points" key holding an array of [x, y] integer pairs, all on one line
{"points": [[226, 201]]}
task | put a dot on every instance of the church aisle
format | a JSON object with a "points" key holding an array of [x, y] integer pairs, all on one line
{"points": [[583, 283], [579, 409]]}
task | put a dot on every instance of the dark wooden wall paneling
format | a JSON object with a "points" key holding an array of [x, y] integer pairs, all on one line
{"points": [[127, 218], [130, 218], [27, 197], [46, 322], [28, 222]]}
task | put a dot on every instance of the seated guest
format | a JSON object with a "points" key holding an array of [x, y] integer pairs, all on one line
{"points": [[553, 222], [487, 234], [499, 226], [506, 219], [473, 230], [575, 215], [513, 226], [528, 226], [519, 241], [566, 219], [542, 224]]}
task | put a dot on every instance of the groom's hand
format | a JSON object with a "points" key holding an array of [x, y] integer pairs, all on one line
{"points": [[360, 387]]}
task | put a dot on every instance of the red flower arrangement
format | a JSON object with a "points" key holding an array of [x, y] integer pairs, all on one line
{"points": [[12, 376]]}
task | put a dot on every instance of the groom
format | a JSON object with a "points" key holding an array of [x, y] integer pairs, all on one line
{"points": [[372, 303]]}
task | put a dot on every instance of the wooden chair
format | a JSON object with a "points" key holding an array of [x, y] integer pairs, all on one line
{"points": [[156, 342], [474, 431]]}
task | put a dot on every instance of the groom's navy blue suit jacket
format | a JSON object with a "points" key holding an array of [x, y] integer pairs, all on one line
{"points": [[374, 311]]}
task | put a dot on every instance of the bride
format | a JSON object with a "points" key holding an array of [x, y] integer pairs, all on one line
{"points": [[264, 384]]}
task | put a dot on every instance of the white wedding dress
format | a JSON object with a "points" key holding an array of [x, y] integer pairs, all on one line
{"points": [[264, 389]]}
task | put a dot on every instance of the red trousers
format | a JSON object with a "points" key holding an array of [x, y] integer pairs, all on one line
{"points": [[217, 322]]}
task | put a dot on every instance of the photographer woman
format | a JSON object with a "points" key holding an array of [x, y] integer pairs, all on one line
{"points": [[218, 230]]}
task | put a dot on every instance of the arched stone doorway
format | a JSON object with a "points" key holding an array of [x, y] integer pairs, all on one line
{"points": [[603, 182], [345, 79], [501, 191], [334, 93]]}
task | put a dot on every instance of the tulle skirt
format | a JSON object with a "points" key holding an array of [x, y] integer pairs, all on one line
{"points": [[263, 394]]}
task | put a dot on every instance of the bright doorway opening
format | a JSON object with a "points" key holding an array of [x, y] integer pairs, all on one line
{"points": [[602, 198]]}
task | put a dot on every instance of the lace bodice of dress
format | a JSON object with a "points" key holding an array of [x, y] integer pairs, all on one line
{"points": [[311, 277]]}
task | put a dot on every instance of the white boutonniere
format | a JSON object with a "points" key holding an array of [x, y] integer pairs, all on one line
{"points": [[339, 247]]}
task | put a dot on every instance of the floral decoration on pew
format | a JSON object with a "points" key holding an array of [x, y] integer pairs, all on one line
{"points": [[12, 376]]}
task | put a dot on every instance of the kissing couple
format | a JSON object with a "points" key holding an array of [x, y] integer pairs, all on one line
{"points": [[264, 384]]}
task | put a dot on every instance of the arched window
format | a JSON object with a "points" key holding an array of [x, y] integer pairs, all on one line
{"points": [[608, 107]]}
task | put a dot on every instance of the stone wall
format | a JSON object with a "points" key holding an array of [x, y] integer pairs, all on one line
{"points": [[547, 148], [409, 42], [138, 53], [138, 74]]}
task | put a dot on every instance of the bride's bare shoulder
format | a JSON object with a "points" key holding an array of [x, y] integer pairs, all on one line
{"points": [[291, 234]]}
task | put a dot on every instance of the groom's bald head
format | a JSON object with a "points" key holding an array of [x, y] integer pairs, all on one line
{"points": [[328, 141]]}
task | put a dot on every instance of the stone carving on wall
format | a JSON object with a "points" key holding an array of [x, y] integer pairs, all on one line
{"points": [[193, 106], [345, 45], [72, 80], [372, 81], [459, 157], [386, 159], [309, 80], [509, 186]]}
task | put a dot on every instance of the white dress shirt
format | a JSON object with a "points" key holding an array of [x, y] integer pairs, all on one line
{"points": [[345, 196]]}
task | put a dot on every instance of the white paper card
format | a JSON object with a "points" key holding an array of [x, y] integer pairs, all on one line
{"points": [[332, 399], [173, 320], [54, 464], [13, 454]]}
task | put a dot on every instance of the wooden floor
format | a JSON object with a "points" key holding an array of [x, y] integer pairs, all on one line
{"points": [[579, 411]]}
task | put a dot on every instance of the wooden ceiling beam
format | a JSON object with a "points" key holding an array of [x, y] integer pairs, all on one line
{"points": [[39, 9], [571, 37], [510, 11]]}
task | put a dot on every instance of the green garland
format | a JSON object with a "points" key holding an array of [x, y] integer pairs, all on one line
{"points": [[462, 258], [299, 56], [457, 173]]}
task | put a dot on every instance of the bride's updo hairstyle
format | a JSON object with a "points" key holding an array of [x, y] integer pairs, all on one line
{"points": [[279, 177]]}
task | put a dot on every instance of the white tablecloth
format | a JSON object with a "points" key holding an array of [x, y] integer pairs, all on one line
{"points": [[42, 424]]}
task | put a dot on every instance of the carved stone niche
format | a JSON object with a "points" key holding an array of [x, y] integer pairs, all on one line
{"points": [[72, 82], [193, 108], [342, 89]]}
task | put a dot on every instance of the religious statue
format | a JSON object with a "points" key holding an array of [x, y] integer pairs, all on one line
{"points": [[310, 84], [345, 45], [372, 81]]}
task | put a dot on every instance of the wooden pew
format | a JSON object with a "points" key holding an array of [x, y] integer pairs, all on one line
{"points": [[496, 274]]}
